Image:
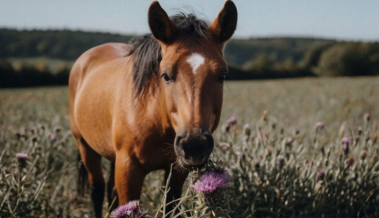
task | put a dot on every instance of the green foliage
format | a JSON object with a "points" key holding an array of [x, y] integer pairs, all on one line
{"points": [[65, 44], [349, 59]]}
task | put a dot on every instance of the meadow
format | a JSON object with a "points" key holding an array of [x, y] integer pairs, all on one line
{"points": [[294, 148]]}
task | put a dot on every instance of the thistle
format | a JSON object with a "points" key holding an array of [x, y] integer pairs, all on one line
{"points": [[130, 209], [211, 192], [212, 181], [346, 141], [21, 159]]}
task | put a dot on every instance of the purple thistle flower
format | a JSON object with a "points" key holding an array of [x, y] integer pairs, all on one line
{"points": [[319, 126], [21, 159], [52, 137], [232, 121], [21, 156], [212, 180], [246, 129], [346, 141], [130, 209], [320, 175], [281, 160], [367, 117]]}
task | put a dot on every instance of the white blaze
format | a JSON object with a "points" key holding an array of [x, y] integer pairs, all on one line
{"points": [[195, 60]]}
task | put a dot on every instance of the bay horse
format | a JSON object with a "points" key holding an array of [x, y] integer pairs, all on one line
{"points": [[148, 105]]}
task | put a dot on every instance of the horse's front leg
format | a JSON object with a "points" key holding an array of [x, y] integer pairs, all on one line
{"points": [[177, 179], [129, 176]]}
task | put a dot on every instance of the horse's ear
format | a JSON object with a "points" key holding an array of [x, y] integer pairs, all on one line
{"points": [[162, 28], [223, 27]]}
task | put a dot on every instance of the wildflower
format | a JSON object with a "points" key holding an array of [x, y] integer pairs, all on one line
{"points": [[346, 141], [21, 159], [226, 128], [223, 146], [350, 161], [232, 121], [359, 131], [33, 130], [34, 138], [53, 137], [320, 175], [212, 181], [289, 141], [57, 129], [367, 117], [364, 155], [319, 126], [40, 126], [130, 209], [246, 129], [281, 160]]}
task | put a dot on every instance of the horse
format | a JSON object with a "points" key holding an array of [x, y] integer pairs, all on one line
{"points": [[148, 105]]}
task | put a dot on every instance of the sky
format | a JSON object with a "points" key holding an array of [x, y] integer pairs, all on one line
{"points": [[332, 19]]}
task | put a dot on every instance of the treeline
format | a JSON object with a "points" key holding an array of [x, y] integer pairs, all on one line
{"points": [[31, 75], [259, 58], [297, 57]]}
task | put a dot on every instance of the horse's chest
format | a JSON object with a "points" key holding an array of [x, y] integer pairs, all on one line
{"points": [[155, 156]]}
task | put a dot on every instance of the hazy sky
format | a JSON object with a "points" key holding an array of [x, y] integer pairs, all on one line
{"points": [[337, 19]]}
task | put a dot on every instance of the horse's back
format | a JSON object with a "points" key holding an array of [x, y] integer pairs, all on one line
{"points": [[93, 81], [96, 57]]}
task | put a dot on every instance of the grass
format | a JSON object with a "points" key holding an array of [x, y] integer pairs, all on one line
{"points": [[275, 161]]}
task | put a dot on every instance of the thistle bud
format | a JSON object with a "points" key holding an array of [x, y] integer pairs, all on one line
{"points": [[350, 161], [320, 175], [246, 129], [367, 117], [319, 126], [21, 159], [281, 160], [232, 121], [346, 141]]}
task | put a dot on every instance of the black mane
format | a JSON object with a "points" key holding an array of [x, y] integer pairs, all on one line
{"points": [[147, 51]]}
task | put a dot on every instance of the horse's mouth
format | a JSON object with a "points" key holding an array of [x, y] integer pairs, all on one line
{"points": [[190, 166]]}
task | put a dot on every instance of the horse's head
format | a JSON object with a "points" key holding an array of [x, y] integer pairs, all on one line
{"points": [[192, 71]]}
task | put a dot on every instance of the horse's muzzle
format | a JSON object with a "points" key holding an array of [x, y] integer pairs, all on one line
{"points": [[193, 150]]}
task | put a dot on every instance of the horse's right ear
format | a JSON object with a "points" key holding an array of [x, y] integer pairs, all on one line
{"points": [[162, 28]]}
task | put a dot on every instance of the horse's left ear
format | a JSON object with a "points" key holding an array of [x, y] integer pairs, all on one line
{"points": [[223, 27], [162, 28]]}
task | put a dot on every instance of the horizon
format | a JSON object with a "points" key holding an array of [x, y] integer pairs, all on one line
{"points": [[339, 20]]}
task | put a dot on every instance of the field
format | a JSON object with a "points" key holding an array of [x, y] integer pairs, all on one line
{"points": [[300, 148]]}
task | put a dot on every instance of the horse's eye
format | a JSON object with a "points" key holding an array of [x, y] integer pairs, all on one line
{"points": [[166, 77], [223, 77]]}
